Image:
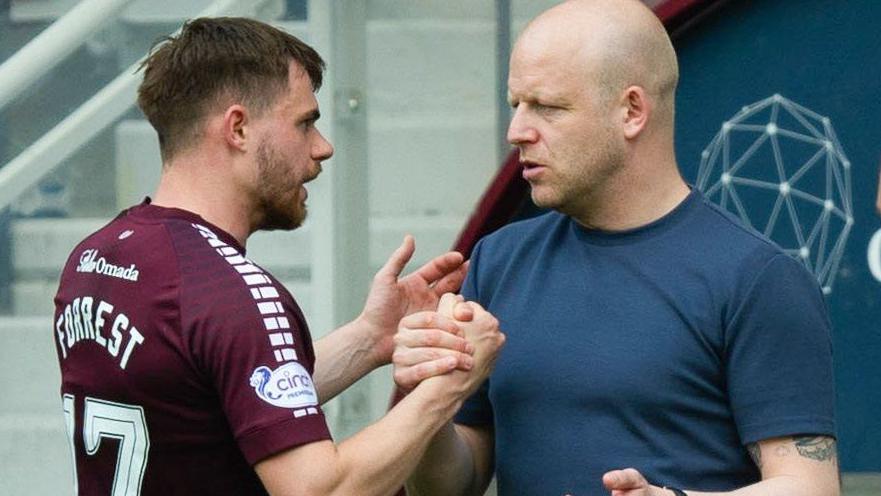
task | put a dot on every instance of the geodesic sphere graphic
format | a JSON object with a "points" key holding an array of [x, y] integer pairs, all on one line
{"points": [[779, 167]]}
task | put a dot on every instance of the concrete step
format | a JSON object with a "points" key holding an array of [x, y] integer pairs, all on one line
{"points": [[29, 366], [40, 246], [437, 68], [430, 129], [35, 456], [430, 171], [34, 297]]}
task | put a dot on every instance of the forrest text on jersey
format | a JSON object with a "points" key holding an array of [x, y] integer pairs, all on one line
{"points": [[85, 320]]}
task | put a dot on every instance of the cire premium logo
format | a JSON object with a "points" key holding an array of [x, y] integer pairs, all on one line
{"points": [[288, 386], [90, 263]]}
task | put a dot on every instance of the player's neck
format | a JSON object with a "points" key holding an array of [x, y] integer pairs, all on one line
{"points": [[211, 196], [633, 199]]}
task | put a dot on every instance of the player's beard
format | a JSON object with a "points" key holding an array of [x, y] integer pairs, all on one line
{"points": [[278, 193]]}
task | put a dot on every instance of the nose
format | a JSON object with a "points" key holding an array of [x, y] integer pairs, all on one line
{"points": [[520, 131], [321, 149]]}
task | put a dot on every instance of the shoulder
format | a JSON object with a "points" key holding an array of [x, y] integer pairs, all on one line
{"points": [[214, 271], [124, 242], [749, 265], [223, 287], [725, 238]]}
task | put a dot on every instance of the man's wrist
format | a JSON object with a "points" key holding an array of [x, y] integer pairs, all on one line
{"points": [[371, 339]]}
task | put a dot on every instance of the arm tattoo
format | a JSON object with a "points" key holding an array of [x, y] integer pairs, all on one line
{"points": [[820, 448], [755, 452]]}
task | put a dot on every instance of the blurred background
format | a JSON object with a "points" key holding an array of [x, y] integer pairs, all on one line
{"points": [[414, 102]]}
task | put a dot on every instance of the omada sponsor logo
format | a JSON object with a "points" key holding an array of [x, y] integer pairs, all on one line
{"points": [[91, 263]]}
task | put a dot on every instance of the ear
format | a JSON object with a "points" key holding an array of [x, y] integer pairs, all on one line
{"points": [[637, 110], [236, 131]]}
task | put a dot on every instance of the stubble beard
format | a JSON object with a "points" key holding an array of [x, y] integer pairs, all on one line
{"points": [[577, 193], [278, 211]]}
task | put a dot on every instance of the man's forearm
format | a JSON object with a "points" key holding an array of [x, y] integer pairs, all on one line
{"points": [[373, 462], [804, 465], [392, 456], [342, 358], [784, 485], [452, 466]]}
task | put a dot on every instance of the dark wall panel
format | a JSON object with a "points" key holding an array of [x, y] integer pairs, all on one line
{"points": [[825, 56]]}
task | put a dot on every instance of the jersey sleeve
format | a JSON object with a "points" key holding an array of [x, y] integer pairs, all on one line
{"points": [[477, 409], [249, 342], [779, 356]]}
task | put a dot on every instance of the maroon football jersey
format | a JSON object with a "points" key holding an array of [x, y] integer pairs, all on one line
{"points": [[183, 363]]}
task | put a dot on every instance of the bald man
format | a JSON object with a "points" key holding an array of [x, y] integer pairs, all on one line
{"points": [[655, 346]]}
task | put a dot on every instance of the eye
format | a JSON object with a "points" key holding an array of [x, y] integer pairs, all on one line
{"points": [[308, 121], [545, 109]]}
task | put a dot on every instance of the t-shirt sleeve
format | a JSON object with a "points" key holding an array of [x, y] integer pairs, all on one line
{"points": [[779, 356], [251, 343], [477, 409]]}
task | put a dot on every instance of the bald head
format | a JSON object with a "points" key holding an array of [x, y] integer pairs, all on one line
{"points": [[617, 44]]}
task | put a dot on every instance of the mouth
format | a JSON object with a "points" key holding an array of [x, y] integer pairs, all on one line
{"points": [[305, 192], [531, 170], [313, 176]]}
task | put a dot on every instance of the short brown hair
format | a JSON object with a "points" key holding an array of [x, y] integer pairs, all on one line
{"points": [[215, 61]]}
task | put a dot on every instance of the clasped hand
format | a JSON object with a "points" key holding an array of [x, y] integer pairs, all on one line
{"points": [[458, 335]]}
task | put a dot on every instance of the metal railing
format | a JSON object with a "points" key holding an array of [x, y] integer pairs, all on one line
{"points": [[53, 45], [92, 117]]}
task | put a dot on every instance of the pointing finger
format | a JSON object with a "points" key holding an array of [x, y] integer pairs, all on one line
{"points": [[440, 266]]}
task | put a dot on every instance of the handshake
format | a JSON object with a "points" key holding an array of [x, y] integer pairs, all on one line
{"points": [[454, 346]]}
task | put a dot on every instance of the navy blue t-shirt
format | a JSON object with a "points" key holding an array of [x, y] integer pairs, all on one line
{"points": [[666, 348]]}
